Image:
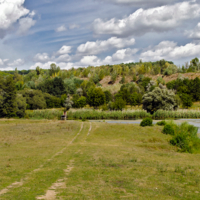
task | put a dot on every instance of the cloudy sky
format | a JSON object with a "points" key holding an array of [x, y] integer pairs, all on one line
{"points": [[96, 32]]}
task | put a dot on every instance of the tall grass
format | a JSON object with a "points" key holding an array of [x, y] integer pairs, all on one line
{"points": [[163, 114], [117, 115], [43, 114], [130, 114], [125, 115]]}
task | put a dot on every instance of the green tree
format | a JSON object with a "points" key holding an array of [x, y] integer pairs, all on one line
{"points": [[186, 100], [96, 97], [95, 78], [75, 100], [119, 104], [139, 99], [21, 105], [38, 70], [122, 80], [195, 89], [113, 77], [101, 74], [134, 78], [53, 69], [160, 99], [34, 99], [133, 99], [108, 96], [82, 102], [9, 107], [52, 101]]}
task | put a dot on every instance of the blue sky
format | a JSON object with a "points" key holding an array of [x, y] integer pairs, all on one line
{"points": [[96, 32]]}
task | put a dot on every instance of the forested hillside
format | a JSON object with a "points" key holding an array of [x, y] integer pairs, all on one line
{"points": [[112, 87]]}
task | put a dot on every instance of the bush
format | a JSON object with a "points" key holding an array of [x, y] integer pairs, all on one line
{"points": [[168, 129], [186, 138], [146, 122], [161, 123]]}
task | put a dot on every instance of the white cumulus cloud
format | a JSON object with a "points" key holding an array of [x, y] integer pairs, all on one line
{"points": [[1, 62], [159, 19], [124, 54], [194, 34], [6, 69], [63, 58], [41, 57], [12, 11], [121, 56], [25, 24], [64, 50], [62, 65], [101, 46], [90, 60], [16, 63], [170, 50], [141, 2]]}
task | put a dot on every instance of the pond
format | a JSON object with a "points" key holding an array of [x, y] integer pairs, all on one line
{"points": [[195, 122]]}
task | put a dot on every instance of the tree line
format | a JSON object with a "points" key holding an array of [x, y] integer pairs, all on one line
{"points": [[40, 89]]}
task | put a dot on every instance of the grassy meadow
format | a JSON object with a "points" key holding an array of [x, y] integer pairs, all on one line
{"points": [[82, 160]]}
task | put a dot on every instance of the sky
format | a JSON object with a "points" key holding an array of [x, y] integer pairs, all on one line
{"points": [[97, 32]]}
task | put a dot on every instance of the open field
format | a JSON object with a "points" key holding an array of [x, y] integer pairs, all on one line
{"points": [[83, 160]]}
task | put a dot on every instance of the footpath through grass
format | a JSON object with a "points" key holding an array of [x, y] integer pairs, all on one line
{"points": [[54, 159]]}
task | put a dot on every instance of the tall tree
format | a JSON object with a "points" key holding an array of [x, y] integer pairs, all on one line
{"points": [[9, 108], [96, 97]]}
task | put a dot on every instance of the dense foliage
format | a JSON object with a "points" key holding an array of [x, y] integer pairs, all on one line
{"points": [[49, 88], [160, 98], [184, 136], [146, 122]]}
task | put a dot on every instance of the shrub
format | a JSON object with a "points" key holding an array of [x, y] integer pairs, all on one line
{"points": [[168, 129], [161, 123], [186, 138], [146, 122]]}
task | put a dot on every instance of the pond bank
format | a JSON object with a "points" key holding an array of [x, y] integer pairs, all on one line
{"points": [[195, 122]]}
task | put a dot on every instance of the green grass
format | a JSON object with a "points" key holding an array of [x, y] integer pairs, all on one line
{"points": [[115, 161], [44, 114]]}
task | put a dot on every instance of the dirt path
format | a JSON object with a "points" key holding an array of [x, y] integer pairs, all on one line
{"points": [[21, 182], [89, 129], [59, 184]]}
